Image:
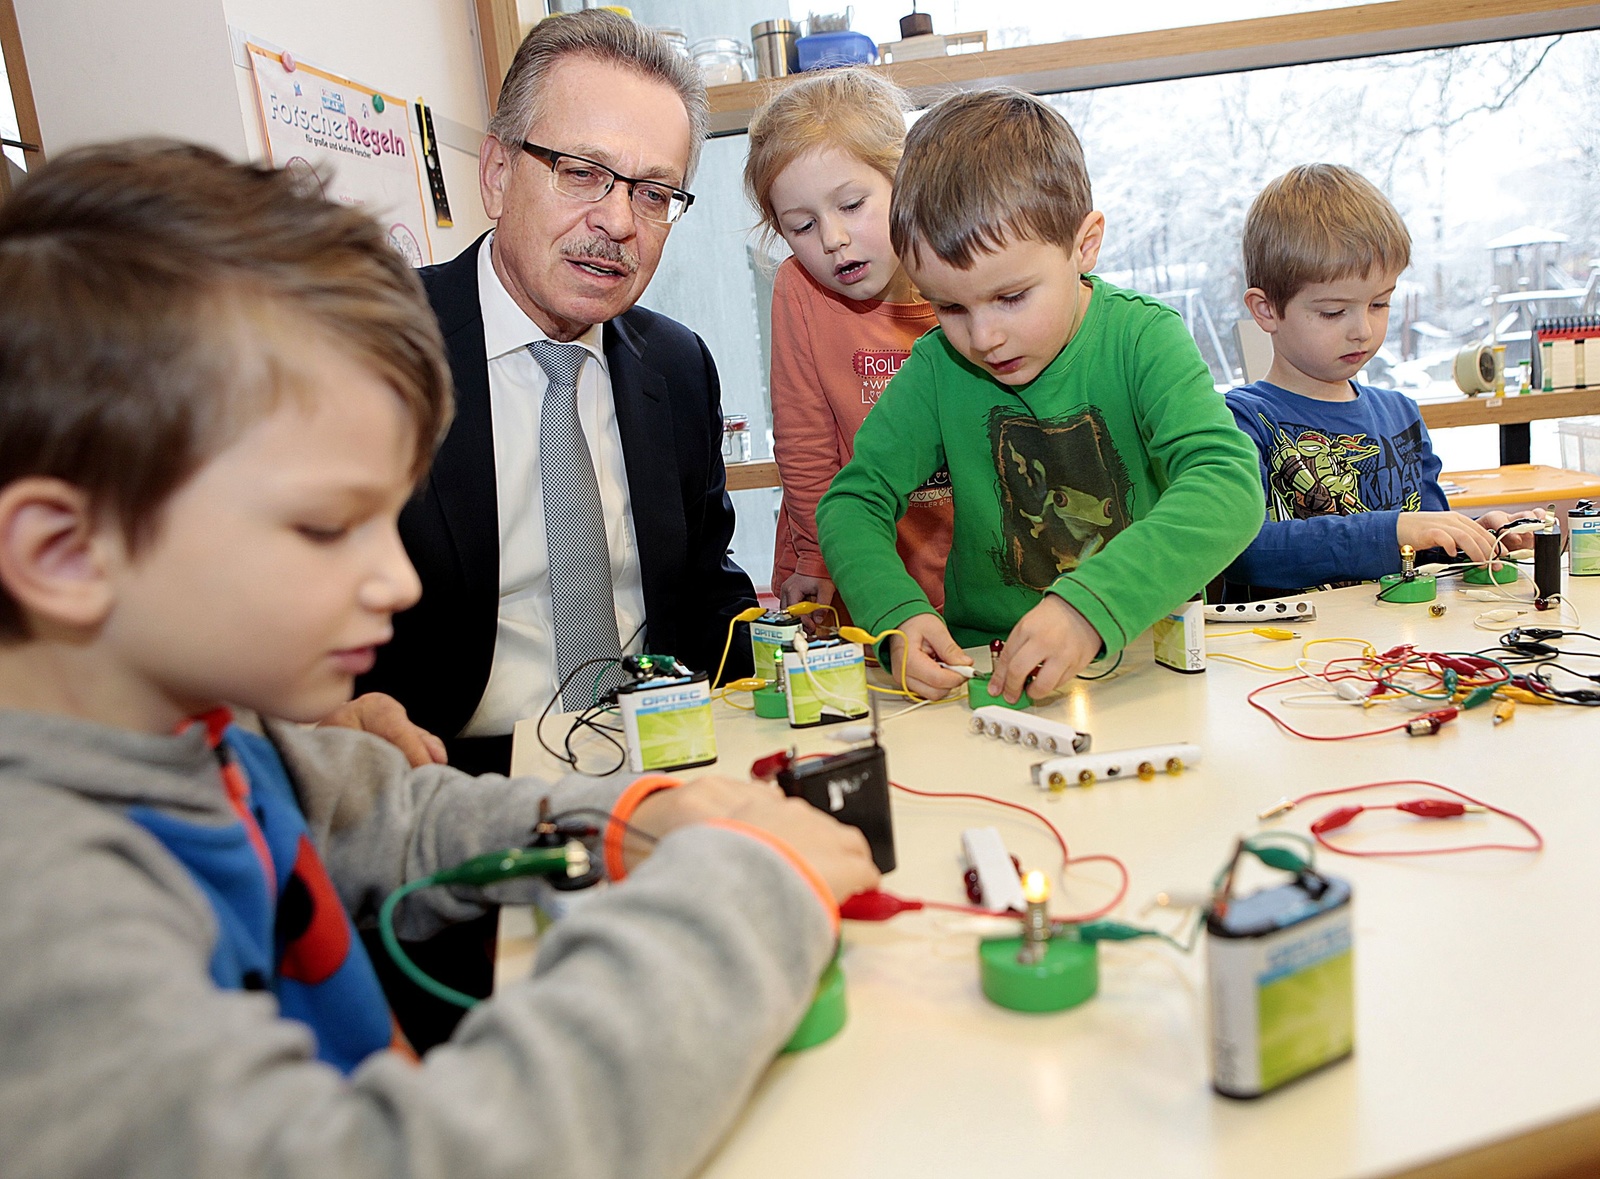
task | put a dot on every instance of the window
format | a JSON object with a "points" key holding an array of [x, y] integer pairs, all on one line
{"points": [[19, 126]]}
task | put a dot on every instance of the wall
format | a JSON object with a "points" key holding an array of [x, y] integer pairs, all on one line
{"points": [[102, 69], [106, 69]]}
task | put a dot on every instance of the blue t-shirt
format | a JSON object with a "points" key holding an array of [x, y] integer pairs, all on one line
{"points": [[1337, 474]]}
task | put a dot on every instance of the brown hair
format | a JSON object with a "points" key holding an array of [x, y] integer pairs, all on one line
{"points": [[1318, 223], [151, 292], [855, 110], [984, 166], [602, 36]]}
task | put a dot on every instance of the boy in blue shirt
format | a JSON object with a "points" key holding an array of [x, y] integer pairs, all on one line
{"points": [[216, 393], [1348, 470]]}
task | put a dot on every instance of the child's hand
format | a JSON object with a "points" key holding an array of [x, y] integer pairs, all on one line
{"points": [[1053, 642], [384, 716], [803, 587], [709, 797], [1450, 531], [836, 852], [930, 646], [1522, 537]]}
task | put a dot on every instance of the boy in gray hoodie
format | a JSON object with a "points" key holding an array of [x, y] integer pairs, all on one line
{"points": [[216, 393]]}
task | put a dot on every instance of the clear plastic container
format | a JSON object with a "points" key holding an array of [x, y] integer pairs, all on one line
{"points": [[722, 60]]}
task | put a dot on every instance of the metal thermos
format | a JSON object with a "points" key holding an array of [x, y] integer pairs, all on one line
{"points": [[774, 44]]}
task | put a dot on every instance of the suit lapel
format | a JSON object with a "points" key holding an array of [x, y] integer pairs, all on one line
{"points": [[644, 421], [462, 478]]}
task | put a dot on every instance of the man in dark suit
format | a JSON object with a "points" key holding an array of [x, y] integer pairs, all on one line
{"points": [[585, 166]]}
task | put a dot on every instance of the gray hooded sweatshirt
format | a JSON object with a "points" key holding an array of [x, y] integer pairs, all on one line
{"points": [[651, 1013]]}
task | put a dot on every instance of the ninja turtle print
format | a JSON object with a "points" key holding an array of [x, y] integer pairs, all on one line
{"points": [[1313, 472]]}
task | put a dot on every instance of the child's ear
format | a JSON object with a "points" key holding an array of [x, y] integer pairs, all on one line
{"points": [[51, 559], [1091, 236], [1261, 310]]}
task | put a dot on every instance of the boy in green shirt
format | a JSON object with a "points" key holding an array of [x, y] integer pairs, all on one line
{"points": [[1099, 479]]}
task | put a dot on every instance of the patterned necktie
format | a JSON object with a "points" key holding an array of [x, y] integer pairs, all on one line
{"points": [[583, 616]]}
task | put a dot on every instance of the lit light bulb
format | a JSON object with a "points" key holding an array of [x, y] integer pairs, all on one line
{"points": [[1036, 887]]}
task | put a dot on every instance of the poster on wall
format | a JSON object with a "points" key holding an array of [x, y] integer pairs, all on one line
{"points": [[355, 140]]}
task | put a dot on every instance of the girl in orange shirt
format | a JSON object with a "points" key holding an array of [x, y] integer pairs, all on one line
{"points": [[844, 315]]}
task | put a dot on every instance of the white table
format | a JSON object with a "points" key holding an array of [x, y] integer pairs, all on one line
{"points": [[1477, 976]]}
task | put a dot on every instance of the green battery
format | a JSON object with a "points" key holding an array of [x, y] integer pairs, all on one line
{"points": [[667, 722], [826, 682], [1281, 977], [769, 634], [1583, 544]]}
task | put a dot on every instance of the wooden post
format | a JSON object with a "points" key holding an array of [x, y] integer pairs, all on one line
{"points": [[499, 34]]}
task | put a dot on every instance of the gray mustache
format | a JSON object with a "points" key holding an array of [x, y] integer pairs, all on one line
{"points": [[602, 250]]}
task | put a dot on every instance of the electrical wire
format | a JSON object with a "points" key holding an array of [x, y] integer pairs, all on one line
{"points": [[1422, 808], [1067, 859]]}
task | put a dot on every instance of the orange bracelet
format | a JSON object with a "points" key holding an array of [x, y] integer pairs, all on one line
{"points": [[616, 830], [796, 861]]}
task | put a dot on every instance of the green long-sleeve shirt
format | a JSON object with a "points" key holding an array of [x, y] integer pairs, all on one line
{"points": [[1116, 479]]}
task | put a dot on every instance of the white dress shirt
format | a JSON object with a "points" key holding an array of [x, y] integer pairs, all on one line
{"points": [[523, 676]]}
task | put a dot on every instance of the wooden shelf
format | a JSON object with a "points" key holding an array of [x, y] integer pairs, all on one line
{"points": [[1484, 410], [1368, 30], [751, 475]]}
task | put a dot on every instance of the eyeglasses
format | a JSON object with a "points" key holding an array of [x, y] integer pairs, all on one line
{"points": [[585, 180]]}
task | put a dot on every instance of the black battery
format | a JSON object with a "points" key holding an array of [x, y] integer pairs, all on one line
{"points": [[853, 787]]}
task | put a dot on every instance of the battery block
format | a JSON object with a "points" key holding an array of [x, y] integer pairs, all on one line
{"points": [[853, 787], [1031, 732], [1298, 609]]}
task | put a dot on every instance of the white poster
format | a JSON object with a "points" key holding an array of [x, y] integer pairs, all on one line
{"points": [[358, 141]]}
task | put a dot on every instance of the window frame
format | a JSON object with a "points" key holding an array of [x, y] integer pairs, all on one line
{"points": [[21, 93]]}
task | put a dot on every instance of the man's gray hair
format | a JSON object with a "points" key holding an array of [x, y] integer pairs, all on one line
{"points": [[602, 36]]}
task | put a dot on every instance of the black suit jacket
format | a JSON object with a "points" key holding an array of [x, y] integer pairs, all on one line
{"points": [[669, 413]]}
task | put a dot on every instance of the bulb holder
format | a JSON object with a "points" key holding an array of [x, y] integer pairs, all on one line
{"points": [[1067, 974], [772, 703], [1479, 575], [978, 695], [826, 1016], [1395, 589]]}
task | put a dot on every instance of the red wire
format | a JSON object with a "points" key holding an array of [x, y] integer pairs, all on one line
{"points": [[1067, 859], [1288, 728], [1538, 840]]}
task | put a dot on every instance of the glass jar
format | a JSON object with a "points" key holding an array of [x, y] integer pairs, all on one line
{"points": [[674, 38], [735, 438], [722, 60]]}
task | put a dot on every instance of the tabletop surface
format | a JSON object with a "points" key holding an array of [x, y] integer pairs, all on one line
{"points": [[1475, 974], [1519, 483]]}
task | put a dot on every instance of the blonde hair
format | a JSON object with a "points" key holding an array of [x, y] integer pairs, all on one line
{"points": [[855, 110], [984, 166], [1318, 223], [601, 36]]}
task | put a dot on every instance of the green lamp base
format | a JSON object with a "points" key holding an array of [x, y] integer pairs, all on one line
{"points": [[1479, 575], [1068, 974], [771, 703], [978, 695], [1394, 588], [826, 1015]]}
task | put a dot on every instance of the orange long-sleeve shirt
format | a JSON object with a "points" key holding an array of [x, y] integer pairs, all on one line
{"points": [[831, 358]]}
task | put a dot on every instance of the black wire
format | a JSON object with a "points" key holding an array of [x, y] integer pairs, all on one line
{"points": [[1104, 673], [585, 720], [538, 727], [605, 815]]}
